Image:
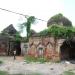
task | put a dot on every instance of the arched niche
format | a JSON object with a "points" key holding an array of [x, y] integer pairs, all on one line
{"points": [[49, 46], [40, 49]]}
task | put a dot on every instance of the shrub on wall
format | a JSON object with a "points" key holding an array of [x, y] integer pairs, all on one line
{"points": [[58, 31]]}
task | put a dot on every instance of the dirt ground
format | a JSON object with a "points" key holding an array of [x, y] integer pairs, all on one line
{"points": [[19, 66]]}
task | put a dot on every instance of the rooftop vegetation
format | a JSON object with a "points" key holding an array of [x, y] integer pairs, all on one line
{"points": [[58, 31]]}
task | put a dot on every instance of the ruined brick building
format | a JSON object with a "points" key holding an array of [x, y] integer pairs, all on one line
{"points": [[8, 42], [44, 46]]}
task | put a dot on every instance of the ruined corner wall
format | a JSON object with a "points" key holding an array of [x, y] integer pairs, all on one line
{"points": [[47, 44]]}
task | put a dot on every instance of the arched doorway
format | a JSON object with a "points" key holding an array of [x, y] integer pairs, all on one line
{"points": [[68, 50]]}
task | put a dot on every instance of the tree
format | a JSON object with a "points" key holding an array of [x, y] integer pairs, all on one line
{"points": [[44, 33], [27, 24], [60, 20], [58, 31], [17, 37]]}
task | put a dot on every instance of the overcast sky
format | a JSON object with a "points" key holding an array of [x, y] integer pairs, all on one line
{"points": [[42, 9]]}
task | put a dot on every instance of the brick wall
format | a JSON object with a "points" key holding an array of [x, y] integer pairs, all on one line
{"points": [[48, 47]]}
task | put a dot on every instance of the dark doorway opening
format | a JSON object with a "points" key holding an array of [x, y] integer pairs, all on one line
{"points": [[17, 48], [72, 54], [68, 50]]}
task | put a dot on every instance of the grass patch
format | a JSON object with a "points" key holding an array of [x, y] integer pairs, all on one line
{"points": [[29, 74], [42, 60], [1, 62], [29, 59], [3, 73], [68, 73]]}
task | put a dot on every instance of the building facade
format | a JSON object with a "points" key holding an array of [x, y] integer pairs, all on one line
{"points": [[8, 41], [45, 47]]}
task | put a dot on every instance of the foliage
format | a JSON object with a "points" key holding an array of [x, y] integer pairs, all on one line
{"points": [[17, 36], [1, 62], [42, 59], [58, 31], [68, 73], [59, 19], [27, 24], [44, 32], [29, 59]]}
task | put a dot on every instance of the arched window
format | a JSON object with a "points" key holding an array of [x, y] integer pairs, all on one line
{"points": [[40, 49]]}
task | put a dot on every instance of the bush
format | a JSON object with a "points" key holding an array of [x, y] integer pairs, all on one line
{"points": [[29, 58]]}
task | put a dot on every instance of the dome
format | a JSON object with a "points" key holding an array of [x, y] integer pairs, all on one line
{"points": [[60, 20]]}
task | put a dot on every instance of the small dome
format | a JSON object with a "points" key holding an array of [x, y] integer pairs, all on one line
{"points": [[60, 20]]}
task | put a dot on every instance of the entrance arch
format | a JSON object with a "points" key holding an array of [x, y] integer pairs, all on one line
{"points": [[67, 50]]}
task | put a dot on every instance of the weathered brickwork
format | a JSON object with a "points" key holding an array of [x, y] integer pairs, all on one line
{"points": [[44, 46]]}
